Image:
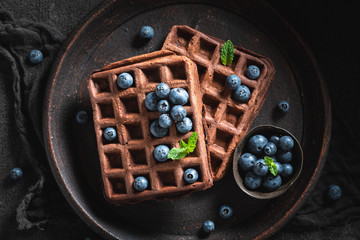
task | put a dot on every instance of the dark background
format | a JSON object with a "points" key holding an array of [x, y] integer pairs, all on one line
{"points": [[329, 28]]}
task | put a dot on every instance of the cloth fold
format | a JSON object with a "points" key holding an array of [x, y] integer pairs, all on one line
{"points": [[17, 39]]}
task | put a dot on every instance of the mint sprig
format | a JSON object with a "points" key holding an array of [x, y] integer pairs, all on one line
{"points": [[272, 166], [185, 148], [227, 53]]}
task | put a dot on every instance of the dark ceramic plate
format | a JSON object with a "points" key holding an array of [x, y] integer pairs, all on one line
{"points": [[110, 34]]}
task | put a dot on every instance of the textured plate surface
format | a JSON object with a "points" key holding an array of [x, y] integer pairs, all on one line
{"points": [[110, 34]]}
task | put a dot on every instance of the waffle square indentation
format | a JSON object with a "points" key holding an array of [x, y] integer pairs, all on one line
{"points": [[106, 110], [101, 85], [118, 185], [167, 178], [206, 49], [211, 104], [223, 139], [113, 160], [137, 157], [183, 38]]}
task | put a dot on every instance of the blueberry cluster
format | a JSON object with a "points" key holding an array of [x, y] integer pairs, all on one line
{"points": [[259, 172], [158, 101], [241, 92]]}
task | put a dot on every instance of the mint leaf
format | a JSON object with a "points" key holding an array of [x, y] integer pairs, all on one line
{"points": [[192, 141], [177, 153], [185, 148], [227, 53], [272, 166], [183, 144]]}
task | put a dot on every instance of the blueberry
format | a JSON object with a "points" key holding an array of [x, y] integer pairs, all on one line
{"points": [[165, 120], [81, 117], [225, 211], [253, 72], [179, 96], [162, 90], [163, 106], [283, 106], [242, 94], [109, 133], [158, 131], [233, 82], [151, 101], [178, 113], [191, 175], [334, 192], [184, 126], [279, 167], [260, 167], [274, 139], [140, 183], [146, 32], [284, 157], [209, 226], [16, 173], [161, 152], [252, 180], [270, 149], [271, 182], [257, 143], [247, 161], [35, 56], [124, 80], [288, 170], [286, 143]]}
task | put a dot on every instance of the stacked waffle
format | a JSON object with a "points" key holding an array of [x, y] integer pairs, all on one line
{"points": [[189, 60]]}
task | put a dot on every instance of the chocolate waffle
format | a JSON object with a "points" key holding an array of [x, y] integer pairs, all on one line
{"points": [[131, 153], [227, 119]]}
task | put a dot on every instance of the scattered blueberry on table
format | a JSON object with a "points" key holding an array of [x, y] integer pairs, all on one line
{"points": [[209, 226], [124, 80], [110, 133], [161, 152], [242, 94], [253, 72], [140, 183], [16, 173], [81, 117], [233, 81], [35, 56], [283, 106], [146, 32], [225, 211], [191, 175], [334, 192]]}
